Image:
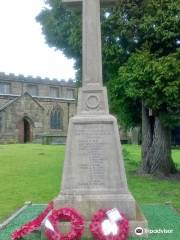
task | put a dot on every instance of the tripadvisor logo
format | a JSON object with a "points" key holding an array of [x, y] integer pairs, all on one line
{"points": [[139, 231]]}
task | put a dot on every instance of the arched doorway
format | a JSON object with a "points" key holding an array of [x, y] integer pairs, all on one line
{"points": [[27, 131]]}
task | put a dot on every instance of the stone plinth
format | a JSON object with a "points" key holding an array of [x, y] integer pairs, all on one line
{"points": [[94, 175]]}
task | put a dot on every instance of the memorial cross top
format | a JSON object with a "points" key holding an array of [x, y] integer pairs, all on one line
{"points": [[92, 56]]}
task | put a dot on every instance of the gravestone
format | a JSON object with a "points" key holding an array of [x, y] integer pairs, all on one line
{"points": [[94, 175]]}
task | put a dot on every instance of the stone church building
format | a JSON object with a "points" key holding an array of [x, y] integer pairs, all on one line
{"points": [[34, 109]]}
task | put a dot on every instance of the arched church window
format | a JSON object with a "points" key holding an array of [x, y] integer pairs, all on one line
{"points": [[56, 120]]}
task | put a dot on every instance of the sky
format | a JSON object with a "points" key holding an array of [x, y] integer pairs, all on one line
{"points": [[23, 49]]}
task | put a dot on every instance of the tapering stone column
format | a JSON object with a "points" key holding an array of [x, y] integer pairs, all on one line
{"points": [[94, 175]]}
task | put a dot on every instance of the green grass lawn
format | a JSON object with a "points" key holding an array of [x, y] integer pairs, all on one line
{"points": [[32, 172], [28, 173], [147, 189]]}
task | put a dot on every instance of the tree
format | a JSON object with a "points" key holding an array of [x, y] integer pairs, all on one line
{"points": [[155, 81], [140, 40], [62, 29], [151, 75]]}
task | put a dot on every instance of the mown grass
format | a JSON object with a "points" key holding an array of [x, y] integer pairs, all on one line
{"points": [[32, 173], [28, 173], [148, 189]]}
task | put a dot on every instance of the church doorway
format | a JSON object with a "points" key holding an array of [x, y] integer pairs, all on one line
{"points": [[27, 131]]}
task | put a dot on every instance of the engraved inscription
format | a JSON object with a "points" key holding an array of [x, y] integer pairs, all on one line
{"points": [[92, 143]]}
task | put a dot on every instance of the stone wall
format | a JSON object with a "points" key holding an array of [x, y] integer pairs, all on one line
{"points": [[19, 107]]}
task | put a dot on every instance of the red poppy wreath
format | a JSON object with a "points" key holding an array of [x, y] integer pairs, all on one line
{"points": [[32, 225], [103, 229], [65, 214]]}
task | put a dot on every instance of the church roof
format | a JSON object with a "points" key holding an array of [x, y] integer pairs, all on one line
{"points": [[30, 79], [17, 98], [7, 104]]}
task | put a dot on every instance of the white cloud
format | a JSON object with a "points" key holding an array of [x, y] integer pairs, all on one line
{"points": [[22, 46]]}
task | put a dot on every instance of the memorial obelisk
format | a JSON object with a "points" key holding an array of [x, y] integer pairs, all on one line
{"points": [[94, 175]]}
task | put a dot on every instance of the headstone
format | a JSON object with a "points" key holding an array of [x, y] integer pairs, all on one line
{"points": [[94, 175]]}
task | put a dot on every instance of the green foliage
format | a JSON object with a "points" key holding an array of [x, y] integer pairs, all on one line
{"points": [[160, 25], [153, 80], [140, 32], [128, 110], [62, 29], [151, 71]]}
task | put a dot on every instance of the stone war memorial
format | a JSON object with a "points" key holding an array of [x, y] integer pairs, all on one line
{"points": [[94, 175]]}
